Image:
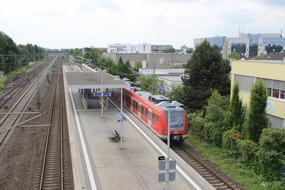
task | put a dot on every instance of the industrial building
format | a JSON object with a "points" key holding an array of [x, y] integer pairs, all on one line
{"points": [[245, 73], [153, 60]]}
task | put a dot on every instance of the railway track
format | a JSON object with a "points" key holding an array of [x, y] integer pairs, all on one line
{"points": [[12, 117], [213, 177], [13, 91], [56, 170]]}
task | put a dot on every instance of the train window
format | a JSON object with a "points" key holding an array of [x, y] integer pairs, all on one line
{"points": [[153, 118], [145, 112], [142, 111], [149, 115], [139, 108]]}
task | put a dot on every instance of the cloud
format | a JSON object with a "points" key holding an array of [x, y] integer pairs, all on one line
{"points": [[274, 2], [79, 23]]}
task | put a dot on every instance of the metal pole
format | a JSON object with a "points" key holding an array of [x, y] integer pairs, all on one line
{"points": [[122, 118], [121, 100], [168, 150]]}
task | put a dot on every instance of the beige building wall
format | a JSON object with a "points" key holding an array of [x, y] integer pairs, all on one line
{"points": [[159, 60], [268, 70]]}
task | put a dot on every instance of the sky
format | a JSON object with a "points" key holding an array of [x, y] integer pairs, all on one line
{"points": [[85, 23]]}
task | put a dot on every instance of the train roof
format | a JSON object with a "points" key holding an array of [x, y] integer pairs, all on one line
{"points": [[158, 100]]}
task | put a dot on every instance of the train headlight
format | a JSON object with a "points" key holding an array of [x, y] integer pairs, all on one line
{"points": [[165, 131]]}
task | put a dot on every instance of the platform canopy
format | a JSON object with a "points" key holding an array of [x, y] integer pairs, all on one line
{"points": [[92, 80]]}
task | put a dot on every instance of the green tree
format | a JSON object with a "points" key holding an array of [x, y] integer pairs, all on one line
{"points": [[177, 93], [8, 52], [214, 125], [122, 70], [138, 65], [256, 117], [206, 71], [234, 55], [235, 115], [147, 83], [168, 50]]}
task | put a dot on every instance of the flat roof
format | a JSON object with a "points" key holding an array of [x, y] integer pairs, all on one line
{"points": [[100, 79], [171, 78]]}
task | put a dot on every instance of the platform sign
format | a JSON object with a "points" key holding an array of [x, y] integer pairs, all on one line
{"points": [[104, 94], [164, 177], [165, 164], [167, 169]]}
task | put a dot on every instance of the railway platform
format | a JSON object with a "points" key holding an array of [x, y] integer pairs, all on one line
{"points": [[99, 163]]}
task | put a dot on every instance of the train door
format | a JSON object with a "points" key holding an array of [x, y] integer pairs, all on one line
{"points": [[139, 110], [149, 117]]}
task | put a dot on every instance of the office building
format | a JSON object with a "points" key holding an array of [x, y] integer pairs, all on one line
{"points": [[246, 73], [246, 45]]}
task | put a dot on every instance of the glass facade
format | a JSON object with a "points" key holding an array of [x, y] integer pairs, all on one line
{"points": [[217, 42]]}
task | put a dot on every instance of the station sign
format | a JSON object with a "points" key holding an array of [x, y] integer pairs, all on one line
{"points": [[164, 177], [100, 94], [167, 169]]}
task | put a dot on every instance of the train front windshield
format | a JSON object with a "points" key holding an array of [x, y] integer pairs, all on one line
{"points": [[176, 120]]}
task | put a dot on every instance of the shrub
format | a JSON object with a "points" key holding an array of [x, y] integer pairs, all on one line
{"points": [[273, 139], [268, 164], [197, 124], [247, 149], [213, 133], [230, 139]]}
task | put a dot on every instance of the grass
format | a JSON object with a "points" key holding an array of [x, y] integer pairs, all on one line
{"points": [[236, 170], [15, 73]]}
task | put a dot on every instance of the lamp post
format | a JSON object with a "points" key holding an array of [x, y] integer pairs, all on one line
{"points": [[168, 146]]}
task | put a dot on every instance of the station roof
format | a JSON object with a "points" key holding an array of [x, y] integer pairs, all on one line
{"points": [[100, 79]]}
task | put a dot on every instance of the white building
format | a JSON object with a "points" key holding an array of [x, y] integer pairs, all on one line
{"points": [[129, 48]]}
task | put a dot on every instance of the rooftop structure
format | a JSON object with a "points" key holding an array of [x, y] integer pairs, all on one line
{"points": [[93, 80], [158, 100], [160, 48]]}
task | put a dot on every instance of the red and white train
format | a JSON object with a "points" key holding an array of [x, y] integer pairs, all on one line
{"points": [[152, 110]]}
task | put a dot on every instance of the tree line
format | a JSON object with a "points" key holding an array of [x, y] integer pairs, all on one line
{"points": [[13, 56]]}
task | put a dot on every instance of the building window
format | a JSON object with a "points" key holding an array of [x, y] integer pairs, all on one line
{"points": [[269, 91], [275, 93], [282, 94], [276, 122]]}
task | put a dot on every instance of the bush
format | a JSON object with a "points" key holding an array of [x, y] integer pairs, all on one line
{"points": [[269, 164], [247, 149], [230, 139], [213, 133], [273, 139], [197, 124]]}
